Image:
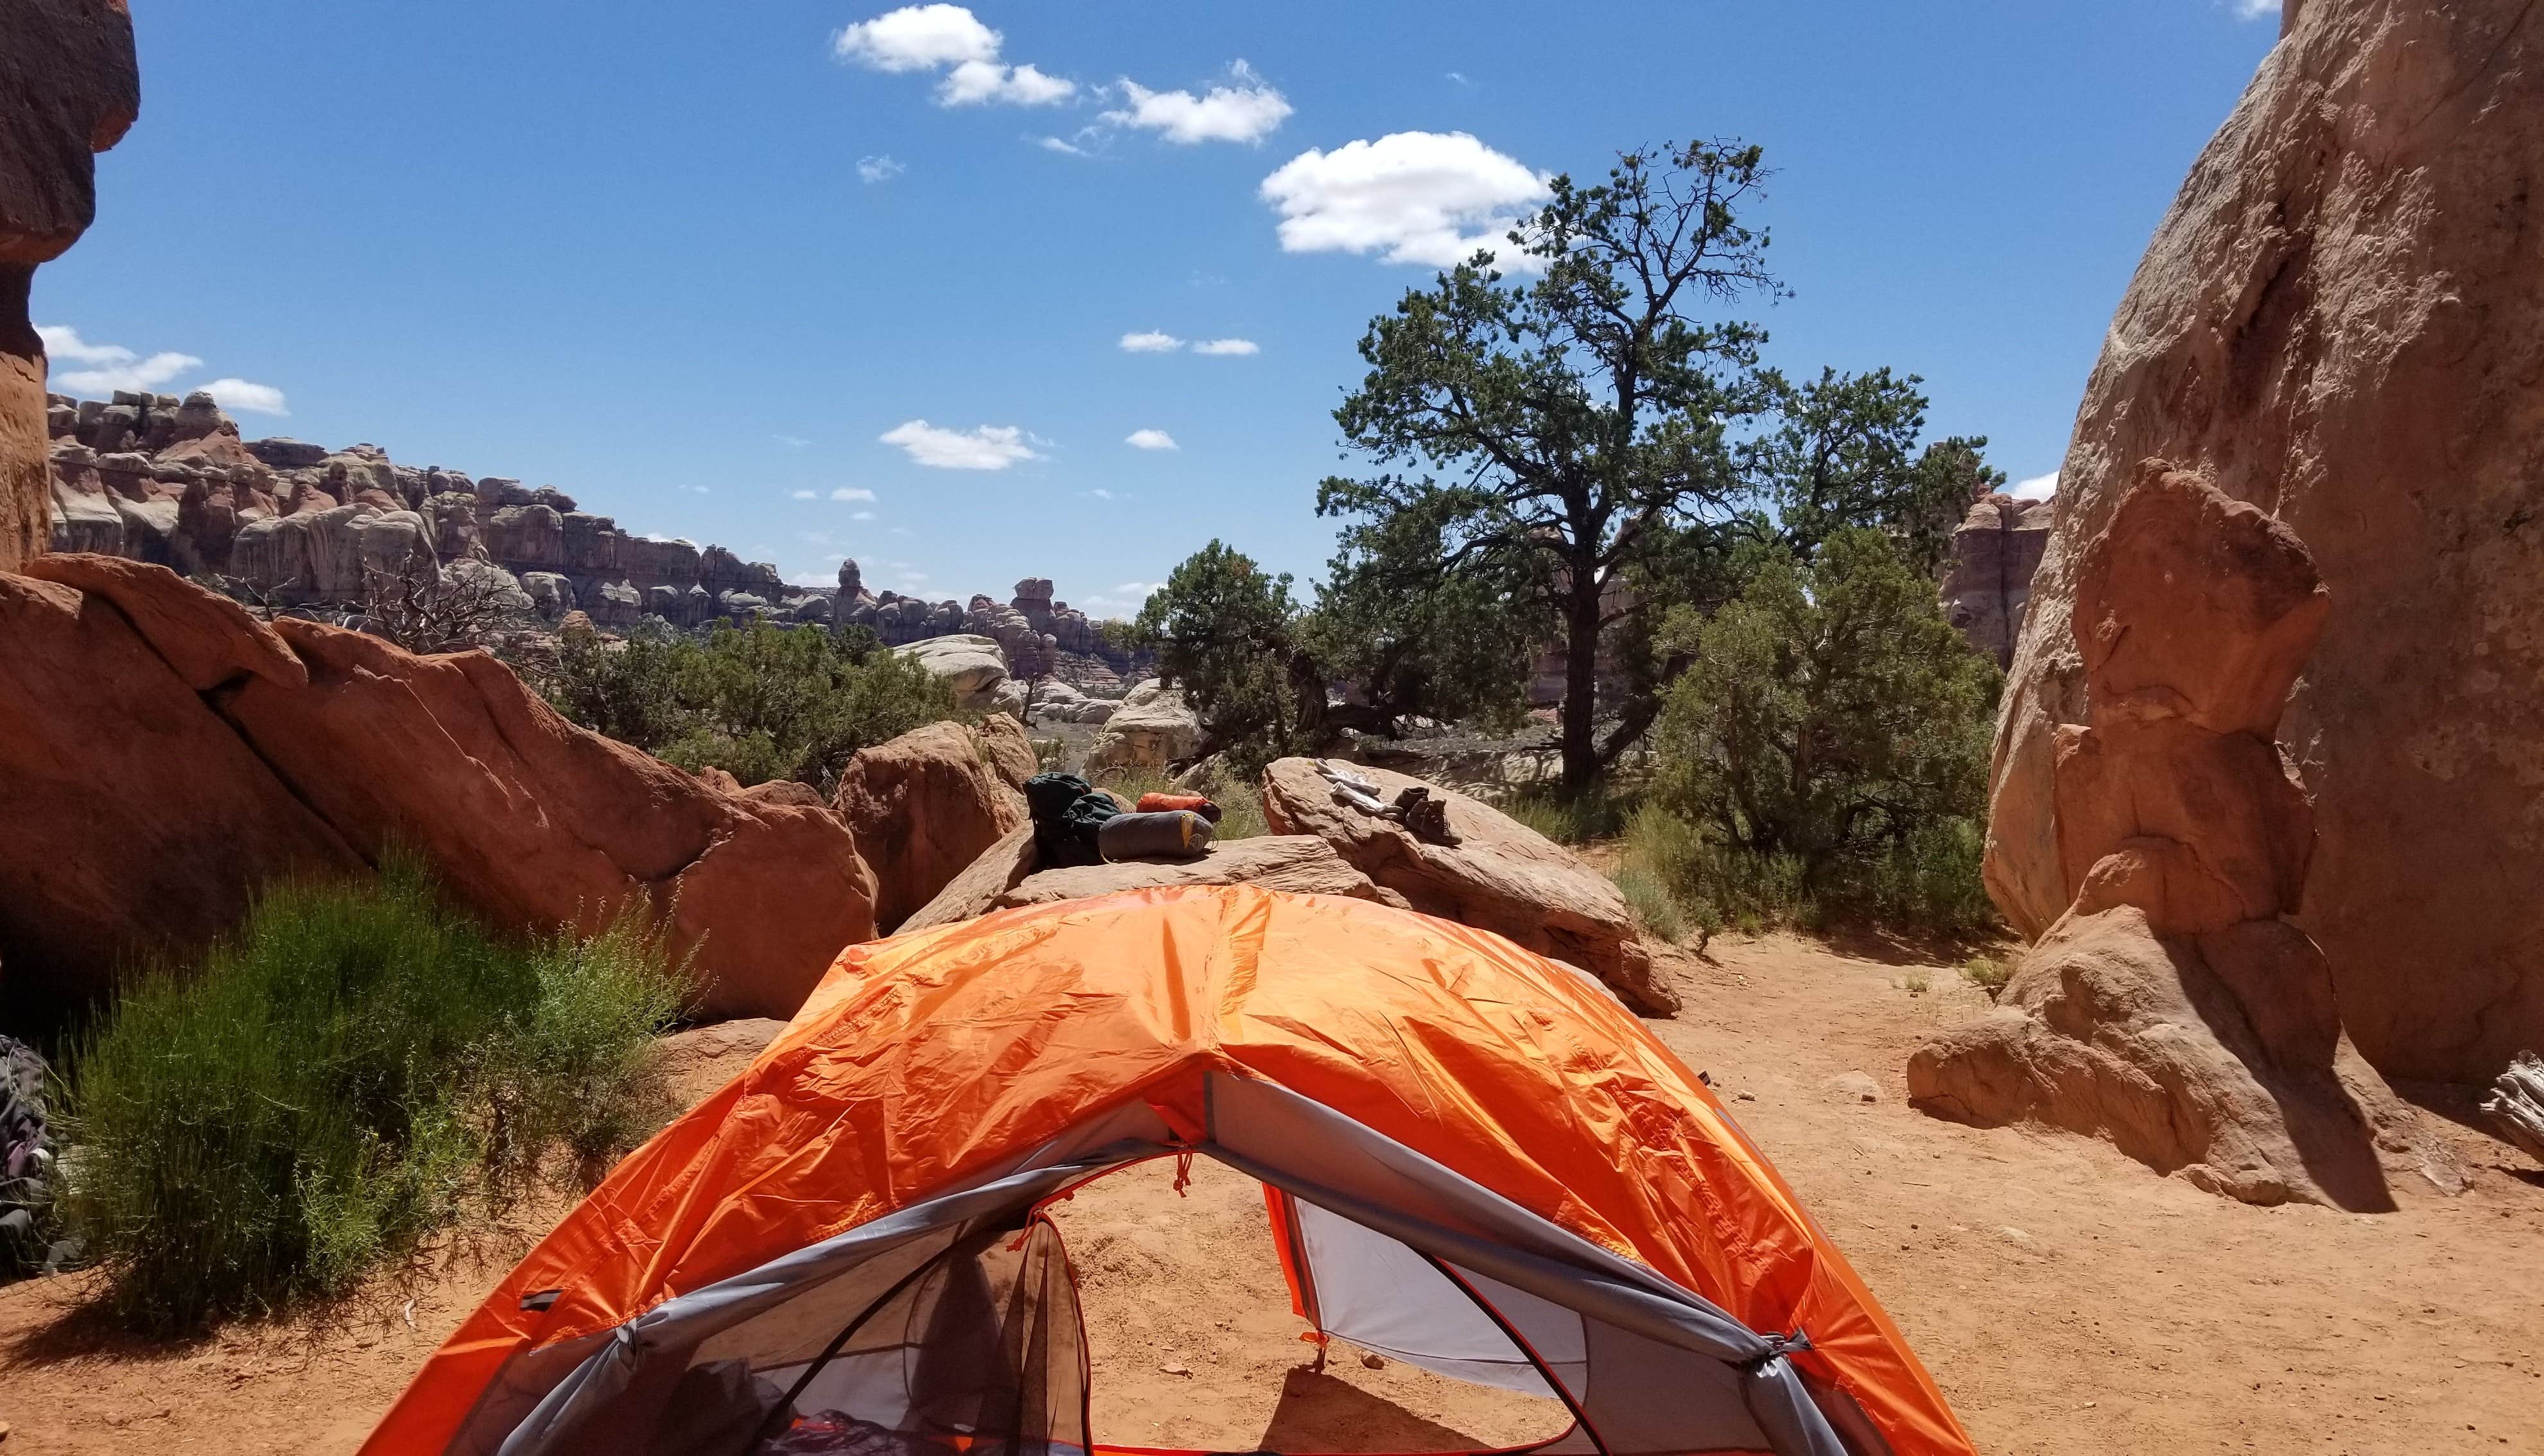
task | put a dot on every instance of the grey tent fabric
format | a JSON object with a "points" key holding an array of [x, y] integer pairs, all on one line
{"points": [[1663, 1369]]}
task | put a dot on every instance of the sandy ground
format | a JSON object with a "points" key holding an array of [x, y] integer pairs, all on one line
{"points": [[2065, 1298]]}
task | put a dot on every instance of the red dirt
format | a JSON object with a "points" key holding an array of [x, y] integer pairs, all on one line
{"points": [[2065, 1297]]}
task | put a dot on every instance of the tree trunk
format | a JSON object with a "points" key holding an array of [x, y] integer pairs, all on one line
{"points": [[1582, 682]]}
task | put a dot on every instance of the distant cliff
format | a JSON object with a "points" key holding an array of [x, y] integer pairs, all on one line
{"points": [[162, 480]]}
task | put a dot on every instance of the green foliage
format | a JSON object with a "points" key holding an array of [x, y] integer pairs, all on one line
{"points": [[762, 702], [1414, 642], [1553, 431], [1829, 744], [333, 1079], [1655, 908], [1224, 631], [1987, 972], [1564, 816], [1839, 457]]}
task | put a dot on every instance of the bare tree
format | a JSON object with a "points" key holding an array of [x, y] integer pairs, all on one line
{"points": [[439, 611]]}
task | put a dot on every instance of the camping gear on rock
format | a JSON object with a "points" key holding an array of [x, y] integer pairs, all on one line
{"points": [[1477, 1163], [1180, 834], [1414, 807], [1158, 803], [1068, 814]]}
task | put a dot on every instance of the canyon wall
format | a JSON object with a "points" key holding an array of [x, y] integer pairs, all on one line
{"points": [[2341, 321], [158, 478]]}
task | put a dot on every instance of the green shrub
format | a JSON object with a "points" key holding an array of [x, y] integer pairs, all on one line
{"points": [[1988, 973], [334, 1079], [1828, 742], [1654, 907], [1567, 818], [762, 702]]}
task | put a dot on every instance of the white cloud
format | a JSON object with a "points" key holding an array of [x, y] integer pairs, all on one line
{"points": [[1411, 196], [857, 492], [2038, 488], [862, 516], [1461, 78], [253, 398], [878, 169], [701, 490], [1151, 439], [791, 441], [926, 37], [1056, 144], [917, 37], [112, 366], [1100, 494], [1152, 342], [804, 495], [1246, 110], [988, 447], [2255, 9], [976, 82], [1228, 347]]}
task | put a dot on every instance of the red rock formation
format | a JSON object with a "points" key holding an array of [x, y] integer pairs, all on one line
{"points": [[72, 87], [166, 753], [2174, 1008], [1987, 588], [2342, 322], [1500, 876], [924, 806]]}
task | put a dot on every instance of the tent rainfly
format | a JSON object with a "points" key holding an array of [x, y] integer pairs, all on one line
{"points": [[1474, 1159]]}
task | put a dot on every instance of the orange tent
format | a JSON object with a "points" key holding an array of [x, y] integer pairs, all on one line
{"points": [[1474, 1156]]}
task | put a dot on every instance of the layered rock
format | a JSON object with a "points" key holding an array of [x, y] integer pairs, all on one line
{"points": [[1988, 583], [1499, 876], [73, 87], [926, 805], [238, 752], [971, 665], [2175, 1008], [2342, 322]]}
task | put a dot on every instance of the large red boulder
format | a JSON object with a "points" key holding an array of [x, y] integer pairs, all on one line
{"points": [[69, 87], [1499, 874], [922, 807], [2340, 322], [138, 823], [178, 753]]}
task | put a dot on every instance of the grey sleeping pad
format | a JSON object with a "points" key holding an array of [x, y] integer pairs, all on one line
{"points": [[1176, 834]]}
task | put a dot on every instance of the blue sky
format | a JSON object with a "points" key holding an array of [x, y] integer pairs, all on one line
{"points": [[694, 264]]}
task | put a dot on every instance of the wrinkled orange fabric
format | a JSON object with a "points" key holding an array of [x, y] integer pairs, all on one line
{"points": [[928, 1057]]}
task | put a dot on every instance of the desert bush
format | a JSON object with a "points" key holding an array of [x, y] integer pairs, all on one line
{"points": [[1828, 743], [334, 1079], [1987, 972], [761, 702], [1567, 819]]}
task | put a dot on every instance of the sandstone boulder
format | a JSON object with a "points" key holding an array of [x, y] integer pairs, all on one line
{"points": [[2341, 321], [922, 807], [975, 893], [970, 665], [1500, 876], [1009, 750], [1151, 728], [1297, 863], [73, 87], [2173, 1009], [138, 823]]}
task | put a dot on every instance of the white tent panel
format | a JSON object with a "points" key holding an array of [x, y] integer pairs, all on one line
{"points": [[1381, 1295]]}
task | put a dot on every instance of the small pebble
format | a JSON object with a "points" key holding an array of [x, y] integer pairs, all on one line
{"points": [[1372, 1362]]}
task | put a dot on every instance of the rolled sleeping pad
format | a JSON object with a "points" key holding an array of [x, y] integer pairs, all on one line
{"points": [[1177, 834], [1158, 803]]}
